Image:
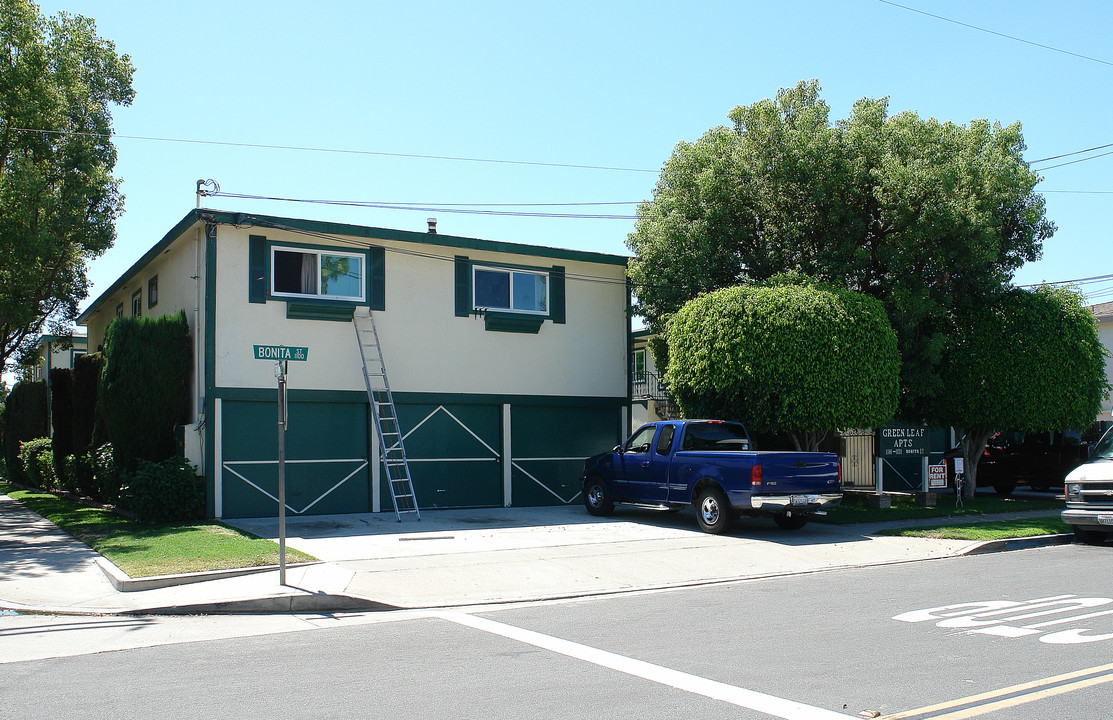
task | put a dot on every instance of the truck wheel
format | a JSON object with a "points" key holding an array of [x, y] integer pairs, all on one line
{"points": [[1090, 537], [597, 499], [790, 522], [713, 512], [1004, 488]]}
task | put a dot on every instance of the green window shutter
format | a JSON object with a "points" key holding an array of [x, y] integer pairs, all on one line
{"points": [[377, 273], [257, 269], [556, 294], [463, 286]]}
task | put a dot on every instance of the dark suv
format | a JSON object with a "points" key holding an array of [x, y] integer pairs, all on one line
{"points": [[1038, 459]]}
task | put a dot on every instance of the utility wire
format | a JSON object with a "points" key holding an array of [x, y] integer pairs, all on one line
{"points": [[1076, 152], [998, 34], [1072, 162], [442, 208], [377, 153]]}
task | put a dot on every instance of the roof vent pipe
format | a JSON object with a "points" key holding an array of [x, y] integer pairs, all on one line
{"points": [[432, 225]]}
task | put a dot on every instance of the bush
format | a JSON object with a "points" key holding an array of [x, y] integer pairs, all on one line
{"points": [[38, 463], [24, 419], [163, 492], [67, 477], [86, 376], [61, 418], [106, 475], [144, 389]]}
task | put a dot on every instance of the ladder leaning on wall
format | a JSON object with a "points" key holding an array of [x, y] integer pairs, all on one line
{"points": [[385, 416]]}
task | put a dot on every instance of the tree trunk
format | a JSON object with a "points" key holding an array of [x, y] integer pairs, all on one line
{"points": [[973, 446]]}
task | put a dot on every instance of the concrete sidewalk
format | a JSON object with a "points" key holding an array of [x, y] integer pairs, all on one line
{"points": [[448, 558]]}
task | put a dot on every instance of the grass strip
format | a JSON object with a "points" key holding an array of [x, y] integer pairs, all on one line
{"points": [[145, 550], [855, 508], [992, 530]]}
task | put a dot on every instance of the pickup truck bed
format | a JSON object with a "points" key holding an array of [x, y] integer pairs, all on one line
{"points": [[709, 464]]}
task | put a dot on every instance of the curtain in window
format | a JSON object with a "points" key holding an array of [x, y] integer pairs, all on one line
{"points": [[309, 274]]}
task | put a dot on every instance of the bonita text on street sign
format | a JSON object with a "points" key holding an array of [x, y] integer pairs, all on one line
{"points": [[281, 352]]}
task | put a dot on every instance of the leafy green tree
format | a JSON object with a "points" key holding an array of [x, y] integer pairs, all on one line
{"points": [[1026, 361], [58, 199], [929, 217], [791, 358]]}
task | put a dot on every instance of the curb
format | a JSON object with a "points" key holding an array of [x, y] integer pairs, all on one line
{"points": [[126, 583], [990, 546]]}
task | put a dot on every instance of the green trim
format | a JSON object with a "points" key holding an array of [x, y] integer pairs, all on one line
{"points": [[496, 321], [462, 269], [257, 269], [557, 295], [629, 353], [431, 398], [210, 367], [268, 394], [319, 310]]}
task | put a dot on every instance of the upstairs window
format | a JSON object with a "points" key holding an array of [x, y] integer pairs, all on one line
{"points": [[317, 274], [523, 291], [137, 303]]}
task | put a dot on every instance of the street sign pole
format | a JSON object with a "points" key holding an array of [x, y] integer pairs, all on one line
{"points": [[280, 371]]}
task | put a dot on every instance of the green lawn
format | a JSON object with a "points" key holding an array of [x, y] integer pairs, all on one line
{"points": [[146, 550], [995, 530], [855, 509]]}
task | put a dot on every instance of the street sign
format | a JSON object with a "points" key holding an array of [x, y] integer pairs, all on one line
{"points": [[281, 352], [902, 441]]}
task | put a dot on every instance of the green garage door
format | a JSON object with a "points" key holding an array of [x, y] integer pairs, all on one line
{"points": [[326, 459], [454, 451], [550, 444]]}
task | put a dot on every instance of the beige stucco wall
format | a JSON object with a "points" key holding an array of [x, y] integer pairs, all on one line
{"points": [[180, 270], [425, 346]]}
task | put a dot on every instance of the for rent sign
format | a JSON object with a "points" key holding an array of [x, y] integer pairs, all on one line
{"points": [[902, 441]]}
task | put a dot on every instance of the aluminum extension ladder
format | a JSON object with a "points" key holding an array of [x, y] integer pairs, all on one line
{"points": [[393, 451]]}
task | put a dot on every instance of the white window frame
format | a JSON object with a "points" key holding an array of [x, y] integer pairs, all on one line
{"points": [[511, 271], [318, 252]]}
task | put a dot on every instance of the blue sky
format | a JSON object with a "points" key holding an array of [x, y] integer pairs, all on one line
{"points": [[602, 83]]}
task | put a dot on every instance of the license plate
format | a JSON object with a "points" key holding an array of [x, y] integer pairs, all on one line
{"points": [[803, 500], [1105, 519]]}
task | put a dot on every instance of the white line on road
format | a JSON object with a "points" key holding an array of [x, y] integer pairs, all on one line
{"points": [[768, 704]]}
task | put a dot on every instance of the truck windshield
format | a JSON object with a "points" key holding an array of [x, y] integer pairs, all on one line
{"points": [[715, 436], [1104, 449]]}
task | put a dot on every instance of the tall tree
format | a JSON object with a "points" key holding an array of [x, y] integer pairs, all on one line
{"points": [[788, 358], [58, 198], [929, 217], [1024, 361]]}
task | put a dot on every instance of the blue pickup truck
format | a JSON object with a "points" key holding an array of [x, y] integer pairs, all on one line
{"points": [[710, 464]]}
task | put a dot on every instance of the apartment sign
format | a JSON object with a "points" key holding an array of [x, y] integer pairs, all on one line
{"points": [[896, 441]]}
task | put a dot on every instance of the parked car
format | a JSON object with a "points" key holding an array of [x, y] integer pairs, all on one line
{"points": [[710, 464], [1038, 459], [1089, 494]]}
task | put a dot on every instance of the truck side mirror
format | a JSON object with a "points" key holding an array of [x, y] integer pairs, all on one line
{"points": [[617, 449]]}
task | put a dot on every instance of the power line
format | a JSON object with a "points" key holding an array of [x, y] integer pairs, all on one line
{"points": [[998, 34], [1076, 152], [442, 208], [376, 153], [1073, 162]]}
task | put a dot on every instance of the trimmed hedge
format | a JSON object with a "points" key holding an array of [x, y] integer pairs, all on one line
{"points": [[61, 418], [86, 378], [144, 388], [25, 418]]}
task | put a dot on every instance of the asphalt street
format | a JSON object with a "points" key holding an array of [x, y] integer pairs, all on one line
{"points": [[1020, 634]]}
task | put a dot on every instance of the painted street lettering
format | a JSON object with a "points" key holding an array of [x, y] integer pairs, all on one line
{"points": [[1010, 619]]}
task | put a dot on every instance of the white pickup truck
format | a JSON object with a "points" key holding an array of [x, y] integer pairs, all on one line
{"points": [[1089, 494]]}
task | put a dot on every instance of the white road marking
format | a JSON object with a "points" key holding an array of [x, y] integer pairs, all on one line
{"points": [[751, 699]]}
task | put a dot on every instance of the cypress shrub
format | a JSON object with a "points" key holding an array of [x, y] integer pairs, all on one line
{"points": [[86, 377], [163, 492], [144, 388], [24, 419], [61, 418]]}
